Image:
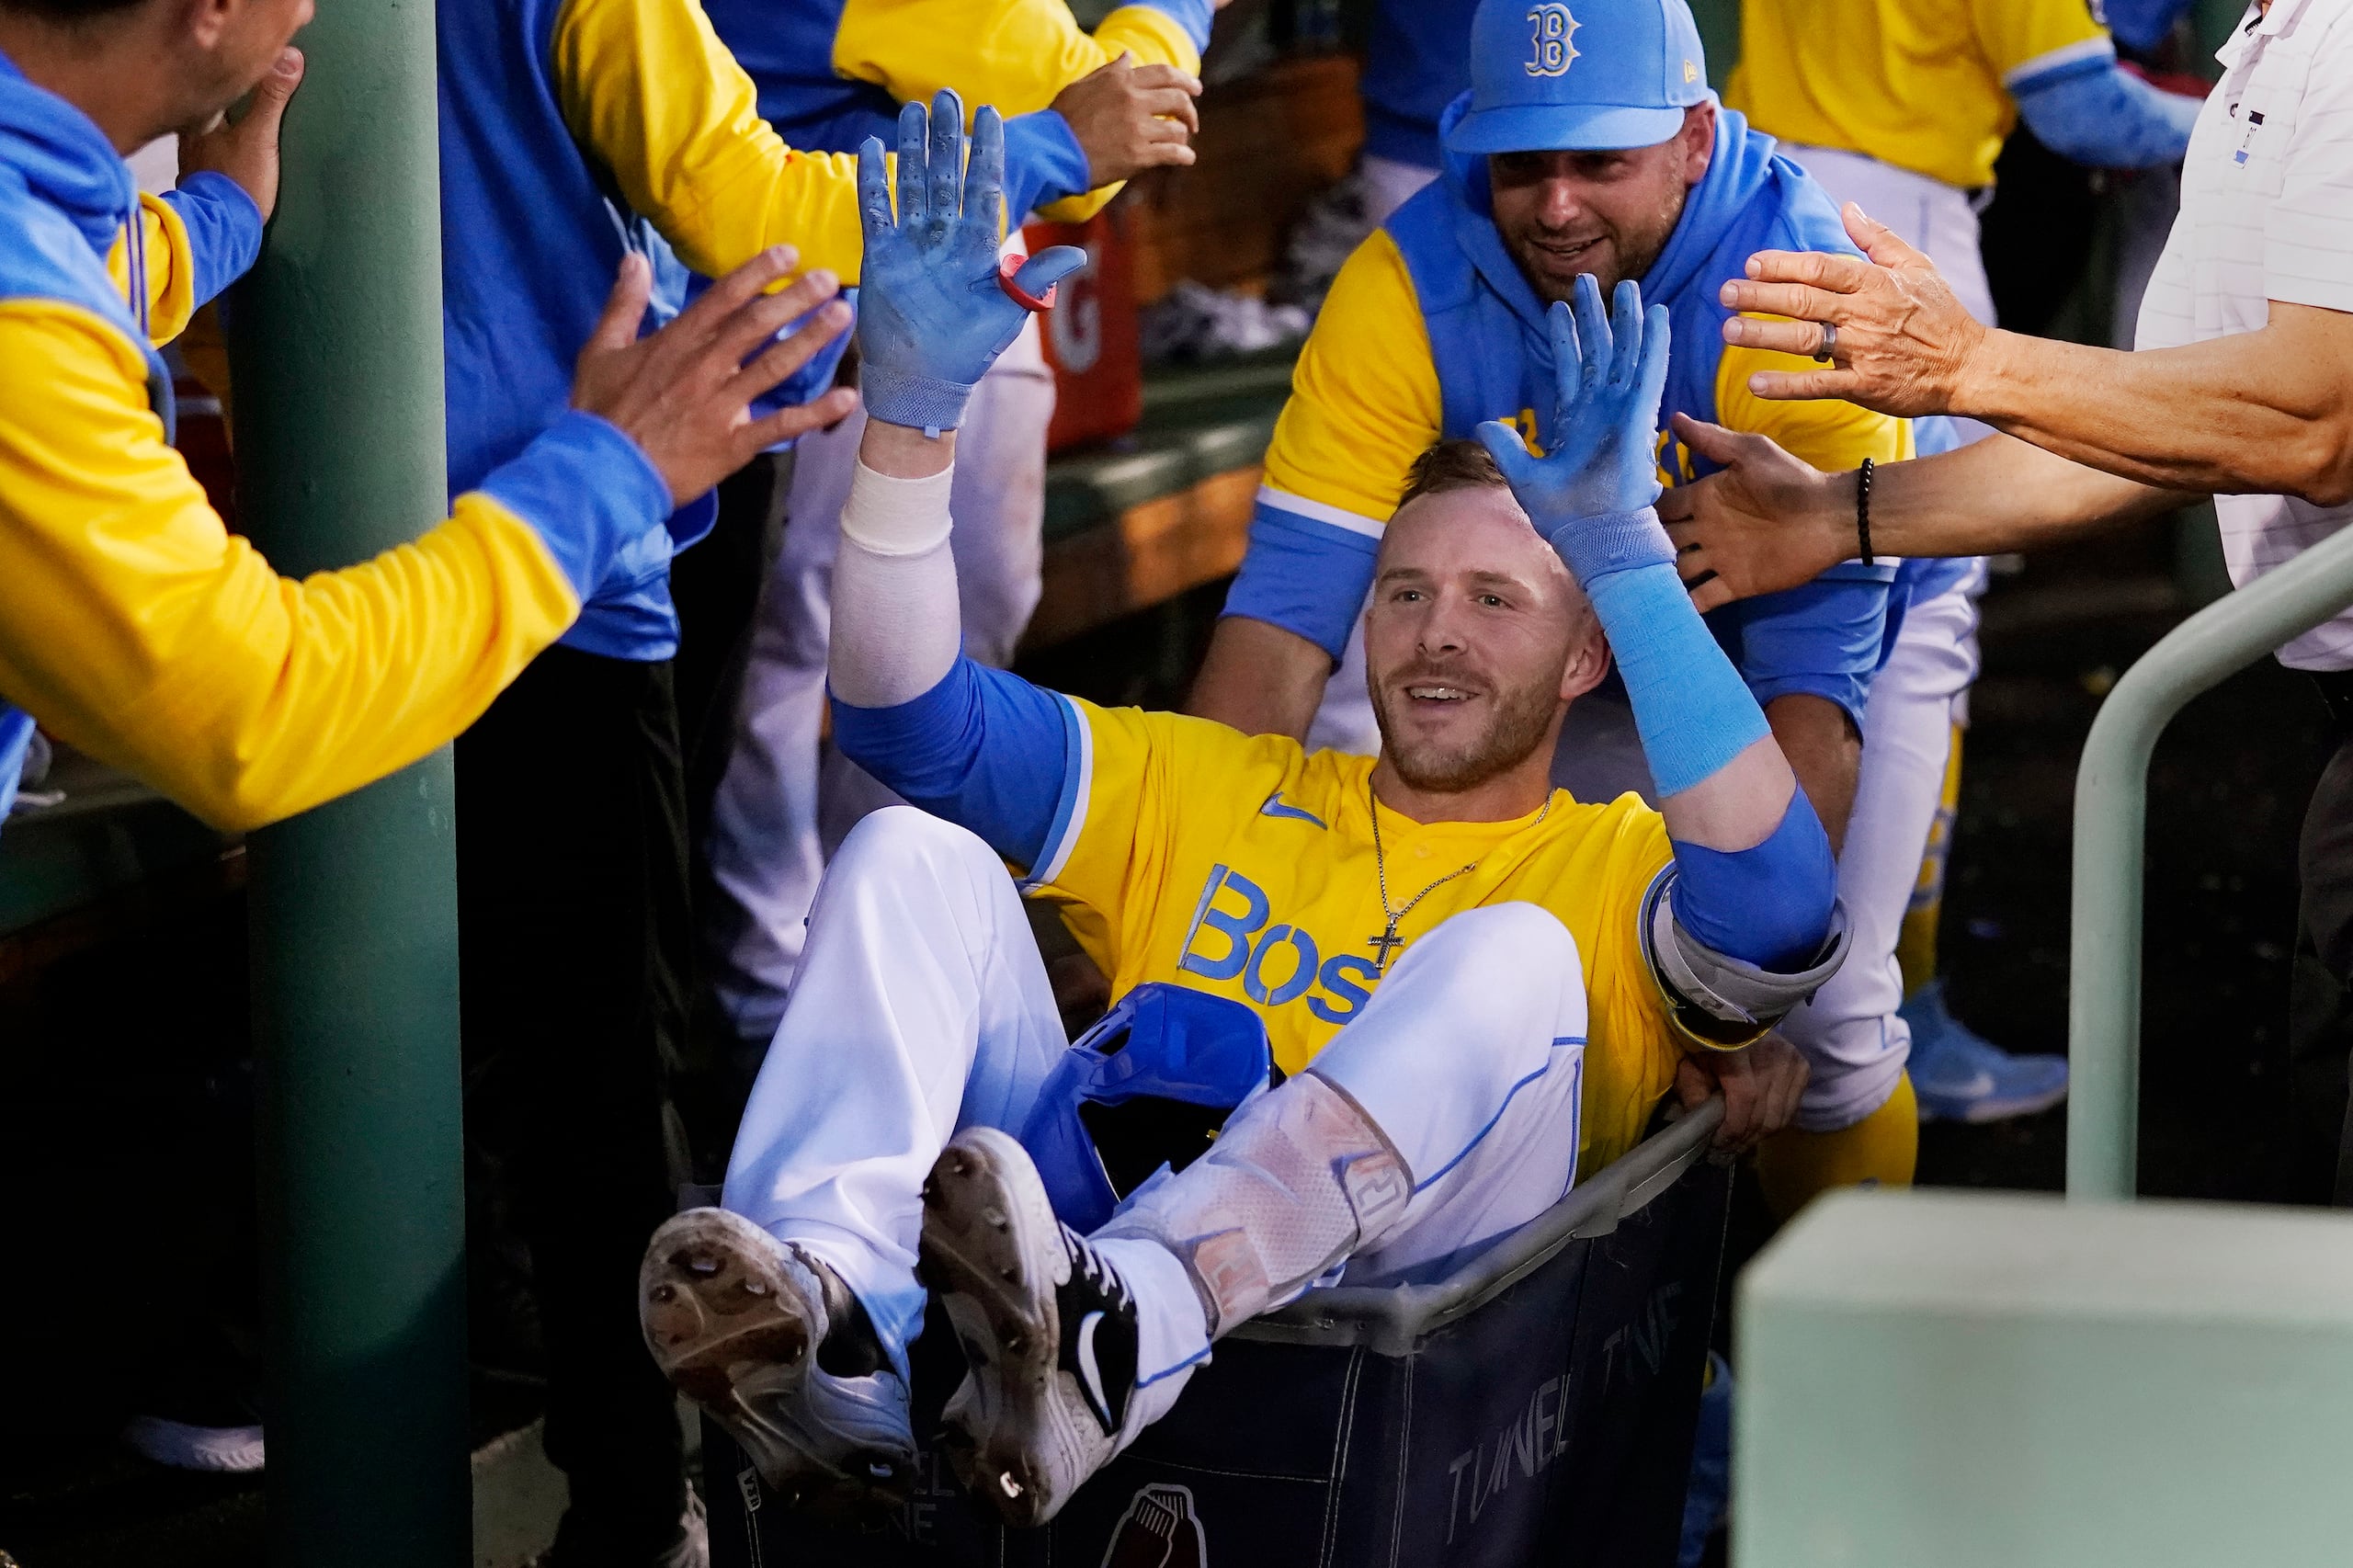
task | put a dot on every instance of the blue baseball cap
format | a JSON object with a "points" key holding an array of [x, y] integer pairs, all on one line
{"points": [[1579, 75]]}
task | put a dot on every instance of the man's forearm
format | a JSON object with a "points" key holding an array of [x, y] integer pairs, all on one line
{"points": [[1994, 496], [1260, 680], [2260, 413]]}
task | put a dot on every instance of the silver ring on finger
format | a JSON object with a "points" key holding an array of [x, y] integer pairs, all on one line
{"points": [[1829, 349]]}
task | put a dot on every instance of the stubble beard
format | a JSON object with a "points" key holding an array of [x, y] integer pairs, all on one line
{"points": [[1521, 720]]}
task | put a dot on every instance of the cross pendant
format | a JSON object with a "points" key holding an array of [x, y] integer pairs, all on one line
{"points": [[1384, 947]]}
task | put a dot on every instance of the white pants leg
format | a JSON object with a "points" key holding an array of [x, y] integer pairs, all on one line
{"points": [[921, 1008], [1470, 1058], [779, 809], [1851, 1036]]}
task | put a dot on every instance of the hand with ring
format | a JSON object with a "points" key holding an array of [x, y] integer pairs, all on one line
{"points": [[1889, 332]]}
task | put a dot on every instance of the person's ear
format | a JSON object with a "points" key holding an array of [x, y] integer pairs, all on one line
{"points": [[1698, 141], [1588, 659]]}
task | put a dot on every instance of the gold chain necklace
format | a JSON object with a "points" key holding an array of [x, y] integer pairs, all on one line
{"points": [[1385, 945]]}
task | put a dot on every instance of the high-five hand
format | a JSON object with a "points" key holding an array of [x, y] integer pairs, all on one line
{"points": [[1608, 376], [933, 313], [1897, 338]]}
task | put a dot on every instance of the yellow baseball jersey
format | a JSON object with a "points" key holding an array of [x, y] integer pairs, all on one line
{"points": [[1924, 84], [1244, 865]]}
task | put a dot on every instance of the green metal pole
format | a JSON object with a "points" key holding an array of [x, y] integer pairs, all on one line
{"points": [[2112, 813], [337, 365]]}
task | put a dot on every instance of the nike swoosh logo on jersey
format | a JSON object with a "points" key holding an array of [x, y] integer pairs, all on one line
{"points": [[1276, 808]]}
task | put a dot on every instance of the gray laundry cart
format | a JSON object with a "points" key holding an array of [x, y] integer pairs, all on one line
{"points": [[1535, 1407]]}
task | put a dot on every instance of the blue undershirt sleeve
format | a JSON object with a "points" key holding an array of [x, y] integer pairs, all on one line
{"points": [[2107, 117], [1823, 639], [1768, 905], [983, 749], [1306, 576], [223, 229], [1043, 163]]}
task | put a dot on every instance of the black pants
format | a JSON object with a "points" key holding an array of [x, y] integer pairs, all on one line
{"points": [[574, 936], [2320, 993], [716, 587]]}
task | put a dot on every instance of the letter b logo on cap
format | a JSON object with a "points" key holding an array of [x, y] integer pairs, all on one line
{"points": [[1551, 50]]}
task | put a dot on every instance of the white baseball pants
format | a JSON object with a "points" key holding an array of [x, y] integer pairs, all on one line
{"points": [[922, 1008], [781, 805]]}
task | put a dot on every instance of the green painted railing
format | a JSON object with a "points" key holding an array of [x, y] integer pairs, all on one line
{"points": [[2111, 814]]}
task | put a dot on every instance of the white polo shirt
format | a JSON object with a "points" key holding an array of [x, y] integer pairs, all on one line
{"points": [[2267, 213]]}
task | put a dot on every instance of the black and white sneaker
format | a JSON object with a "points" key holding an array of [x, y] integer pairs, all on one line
{"points": [[769, 1341], [1047, 1328]]}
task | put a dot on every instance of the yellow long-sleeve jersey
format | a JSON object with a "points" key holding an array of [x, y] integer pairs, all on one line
{"points": [[132, 624]]}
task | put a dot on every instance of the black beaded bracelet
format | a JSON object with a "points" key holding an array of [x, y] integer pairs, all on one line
{"points": [[1863, 511]]}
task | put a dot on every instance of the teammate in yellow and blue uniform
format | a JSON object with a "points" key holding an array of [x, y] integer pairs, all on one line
{"points": [[131, 622], [1936, 87], [1433, 325], [831, 72], [1437, 323], [1558, 960]]}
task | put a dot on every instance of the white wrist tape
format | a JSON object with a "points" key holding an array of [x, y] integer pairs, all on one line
{"points": [[897, 516], [896, 628]]}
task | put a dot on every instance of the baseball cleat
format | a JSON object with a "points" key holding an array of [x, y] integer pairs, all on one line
{"points": [[1047, 1328], [765, 1339]]}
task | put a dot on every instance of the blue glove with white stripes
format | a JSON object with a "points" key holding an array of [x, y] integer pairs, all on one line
{"points": [[934, 309]]}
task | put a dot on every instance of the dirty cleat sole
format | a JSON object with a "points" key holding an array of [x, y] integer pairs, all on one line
{"points": [[732, 1318], [1020, 1432]]}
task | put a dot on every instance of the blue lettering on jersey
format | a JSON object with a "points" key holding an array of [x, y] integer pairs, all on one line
{"points": [[1349, 979], [1302, 971], [1278, 968], [1237, 929]]}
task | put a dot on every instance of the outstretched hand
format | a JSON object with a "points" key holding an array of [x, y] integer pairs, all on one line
{"points": [[685, 393], [1766, 521], [933, 313], [1905, 343], [1610, 375]]}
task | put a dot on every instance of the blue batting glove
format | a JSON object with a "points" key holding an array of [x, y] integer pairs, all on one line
{"points": [[932, 314], [1590, 494]]}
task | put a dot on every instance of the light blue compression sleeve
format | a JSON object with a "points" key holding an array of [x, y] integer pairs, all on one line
{"points": [[985, 749], [1768, 905], [1694, 712], [2107, 117]]}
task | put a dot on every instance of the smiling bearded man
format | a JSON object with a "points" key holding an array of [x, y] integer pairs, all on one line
{"points": [[1563, 964]]}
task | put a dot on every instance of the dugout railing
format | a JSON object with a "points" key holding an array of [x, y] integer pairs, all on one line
{"points": [[2111, 820]]}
